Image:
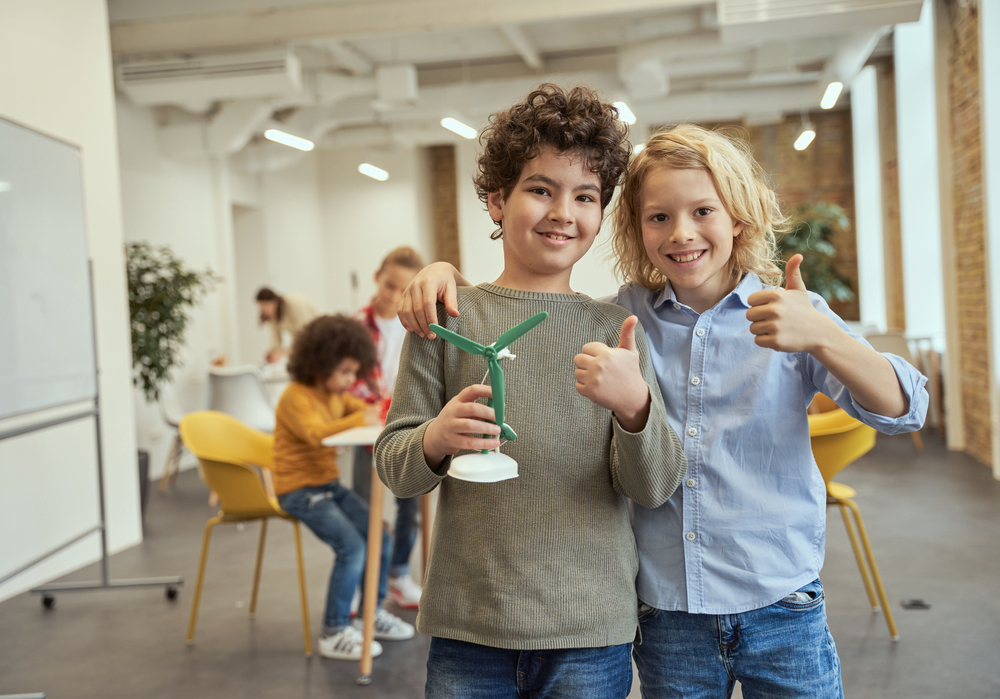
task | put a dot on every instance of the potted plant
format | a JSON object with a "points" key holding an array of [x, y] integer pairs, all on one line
{"points": [[813, 226], [161, 292]]}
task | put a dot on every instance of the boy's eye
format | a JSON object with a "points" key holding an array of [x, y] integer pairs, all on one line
{"points": [[538, 190]]}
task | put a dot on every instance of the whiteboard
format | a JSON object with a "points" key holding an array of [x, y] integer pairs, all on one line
{"points": [[46, 319]]}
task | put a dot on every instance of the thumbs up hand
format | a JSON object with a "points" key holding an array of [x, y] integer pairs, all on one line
{"points": [[611, 377], [784, 319]]}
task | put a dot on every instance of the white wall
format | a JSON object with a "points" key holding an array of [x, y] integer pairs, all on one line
{"points": [[57, 79], [868, 199], [989, 57], [363, 219], [175, 203], [920, 217]]}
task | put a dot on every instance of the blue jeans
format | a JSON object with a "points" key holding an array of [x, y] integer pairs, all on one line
{"points": [[460, 670], [339, 517], [405, 532], [781, 651]]}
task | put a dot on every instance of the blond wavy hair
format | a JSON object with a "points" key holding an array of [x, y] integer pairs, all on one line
{"points": [[742, 187]]}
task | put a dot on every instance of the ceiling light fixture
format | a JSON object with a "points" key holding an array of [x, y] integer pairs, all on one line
{"points": [[638, 148], [463, 130], [805, 138], [376, 173], [288, 139], [624, 113], [831, 95]]}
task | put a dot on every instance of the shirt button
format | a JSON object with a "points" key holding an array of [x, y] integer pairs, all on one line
{"points": [[692, 431], [677, 306], [700, 332], [690, 536], [689, 482], [695, 381]]}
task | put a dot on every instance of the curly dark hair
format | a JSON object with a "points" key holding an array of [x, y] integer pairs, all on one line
{"points": [[320, 346], [550, 116]]}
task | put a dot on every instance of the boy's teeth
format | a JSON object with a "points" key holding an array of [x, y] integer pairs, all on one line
{"points": [[686, 258]]}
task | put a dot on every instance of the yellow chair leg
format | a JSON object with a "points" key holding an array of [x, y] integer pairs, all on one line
{"points": [[201, 576], [256, 572], [918, 440], [889, 620], [857, 556], [302, 588]]}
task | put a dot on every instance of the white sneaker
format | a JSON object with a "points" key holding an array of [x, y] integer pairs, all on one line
{"points": [[404, 592], [388, 627], [346, 645]]}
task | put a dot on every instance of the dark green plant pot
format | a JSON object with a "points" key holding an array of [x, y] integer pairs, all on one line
{"points": [[143, 483]]}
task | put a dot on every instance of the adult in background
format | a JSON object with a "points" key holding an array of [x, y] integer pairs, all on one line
{"points": [[393, 275], [285, 315]]}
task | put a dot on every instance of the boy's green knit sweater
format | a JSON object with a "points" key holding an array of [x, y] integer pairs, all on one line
{"points": [[545, 560]]}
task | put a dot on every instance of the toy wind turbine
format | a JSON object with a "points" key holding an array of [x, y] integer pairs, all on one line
{"points": [[489, 467]]}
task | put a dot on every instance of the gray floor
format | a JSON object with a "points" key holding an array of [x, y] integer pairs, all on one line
{"points": [[934, 521]]}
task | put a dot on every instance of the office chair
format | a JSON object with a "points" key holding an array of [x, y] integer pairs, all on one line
{"points": [[240, 392], [837, 441], [227, 450]]}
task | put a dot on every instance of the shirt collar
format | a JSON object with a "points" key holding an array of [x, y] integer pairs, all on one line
{"points": [[748, 285]]}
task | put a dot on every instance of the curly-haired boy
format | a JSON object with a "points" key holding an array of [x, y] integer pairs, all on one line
{"points": [[327, 357], [531, 581]]}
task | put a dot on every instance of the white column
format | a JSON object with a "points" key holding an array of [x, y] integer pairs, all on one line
{"points": [[989, 65], [228, 332], [916, 125], [868, 199]]}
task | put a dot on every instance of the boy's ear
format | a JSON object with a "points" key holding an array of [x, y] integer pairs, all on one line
{"points": [[494, 202]]}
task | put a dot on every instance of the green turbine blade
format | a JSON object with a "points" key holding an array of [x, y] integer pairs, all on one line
{"points": [[518, 330], [463, 343]]}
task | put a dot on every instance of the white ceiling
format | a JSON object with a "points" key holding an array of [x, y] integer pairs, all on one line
{"points": [[336, 71]]}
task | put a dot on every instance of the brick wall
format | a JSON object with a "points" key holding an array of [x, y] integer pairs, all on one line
{"points": [[823, 172], [444, 203], [965, 131], [892, 229]]}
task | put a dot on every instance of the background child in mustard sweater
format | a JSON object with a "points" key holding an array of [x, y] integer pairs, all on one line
{"points": [[327, 357]]}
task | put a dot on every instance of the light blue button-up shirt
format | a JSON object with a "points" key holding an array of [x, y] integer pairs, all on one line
{"points": [[747, 526]]}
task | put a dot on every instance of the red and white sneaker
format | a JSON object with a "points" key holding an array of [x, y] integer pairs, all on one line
{"points": [[404, 592]]}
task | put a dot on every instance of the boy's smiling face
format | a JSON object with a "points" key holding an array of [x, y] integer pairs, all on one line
{"points": [[688, 234], [550, 220]]}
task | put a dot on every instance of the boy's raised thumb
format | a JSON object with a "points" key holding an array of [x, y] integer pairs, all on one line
{"points": [[793, 277], [627, 339]]}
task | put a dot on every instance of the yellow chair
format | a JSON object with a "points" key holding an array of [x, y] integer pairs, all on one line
{"points": [[837, 441], [227, 450]]}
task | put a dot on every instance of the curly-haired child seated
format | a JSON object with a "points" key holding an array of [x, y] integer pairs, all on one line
{"points": [[327, 356]]}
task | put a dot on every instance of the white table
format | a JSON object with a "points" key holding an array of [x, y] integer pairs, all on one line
{"points": [[366, 436]]}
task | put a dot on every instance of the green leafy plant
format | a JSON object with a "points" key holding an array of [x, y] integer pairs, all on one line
{"points": [[814, 225], [161, 290]]}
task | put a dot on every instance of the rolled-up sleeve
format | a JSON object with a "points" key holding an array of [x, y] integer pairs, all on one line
{"points": [[911, 381]]}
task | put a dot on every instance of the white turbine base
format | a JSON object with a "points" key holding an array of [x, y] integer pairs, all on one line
{"points": [[483, 468]]}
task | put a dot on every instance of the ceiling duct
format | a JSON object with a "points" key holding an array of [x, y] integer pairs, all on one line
{"points": [[749, 20], [222, 76]]}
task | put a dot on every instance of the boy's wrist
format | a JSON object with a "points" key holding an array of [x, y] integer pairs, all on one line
{"points": [[634, 419]]}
